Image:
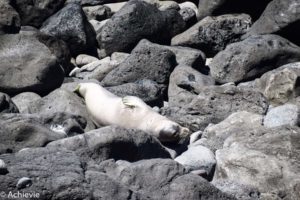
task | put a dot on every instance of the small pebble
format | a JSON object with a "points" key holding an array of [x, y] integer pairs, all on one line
{"points": [[24, 182]]}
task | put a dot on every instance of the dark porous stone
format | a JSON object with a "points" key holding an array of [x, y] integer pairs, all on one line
{"points": [[281, 17], [55, 174], [61, 100], [71, 25], [189, 16], [191, 186], [146, 61], [7, 105], [219, 7], [252, 57], [19, 131], [135, 21], [213, 34], [28, 65], [114, 142], [149, 91], [270, 157], [214, 103], [9, 19], [34, 13]]}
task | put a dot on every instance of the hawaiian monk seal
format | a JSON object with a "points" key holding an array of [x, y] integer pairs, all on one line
{"points": [[128, 112]]}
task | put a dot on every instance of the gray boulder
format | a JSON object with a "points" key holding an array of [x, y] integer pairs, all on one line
{"points": [[266, 159], [135, 21], [28, 65], [280, 85], [9, 19], [23, 100], [287, 114], [214, 135], [213, 34], [192, 186], [62, 101], [98, 13], [113, 142], [19, 132], [52, 173], [280, 17], [149, 91], [147, 61], [252, 57], [219, 7], [184, 84], [214, 103], [198, 158], [70, 25], [34, 13], [7, 105]]}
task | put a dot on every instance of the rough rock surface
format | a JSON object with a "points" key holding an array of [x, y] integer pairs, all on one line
{"points": [[23, 100], [113, 142], [62, 101], [218, 7], [259, 158], [280, 85], [149, 91], [71, 25], [9, 19], [146, 61], [34, 13], [214, 103], [184, 84], [7, 105], [252, 57], [213, 34], [287, 114], [135, 21], [280, 17], [28, 65]]}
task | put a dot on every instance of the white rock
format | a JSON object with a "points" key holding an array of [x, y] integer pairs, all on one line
{"points": [[288, 114], [24, 182], [195, 136], [115, 7], [198, 158], [83, 59], [191, 5]]}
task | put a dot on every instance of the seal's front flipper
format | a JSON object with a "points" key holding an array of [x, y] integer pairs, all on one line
{"points": [[132, 102]]}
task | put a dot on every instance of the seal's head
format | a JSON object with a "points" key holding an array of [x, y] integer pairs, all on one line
{"points": [[169, 131]]}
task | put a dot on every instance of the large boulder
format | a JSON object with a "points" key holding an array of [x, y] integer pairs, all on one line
{"points": [[50, 173], [266, 159], [9, 19], [7, 105], [113, 142], [135, 21], [214, 103], [24, 99], [213, 34], [61, 100], [280, 85], [71, 25], [149, 91], [147, 61], [34, 13], [18, 132], [280, 17], [214, 135], [28, 65], [184, 84], [287, 114], [219, 7], [252, 57]]}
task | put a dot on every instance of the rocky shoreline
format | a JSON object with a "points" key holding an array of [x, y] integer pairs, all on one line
{"points": [[226, 70]]}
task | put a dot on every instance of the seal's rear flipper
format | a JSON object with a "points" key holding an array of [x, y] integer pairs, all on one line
{"points": [[133, 102]]}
